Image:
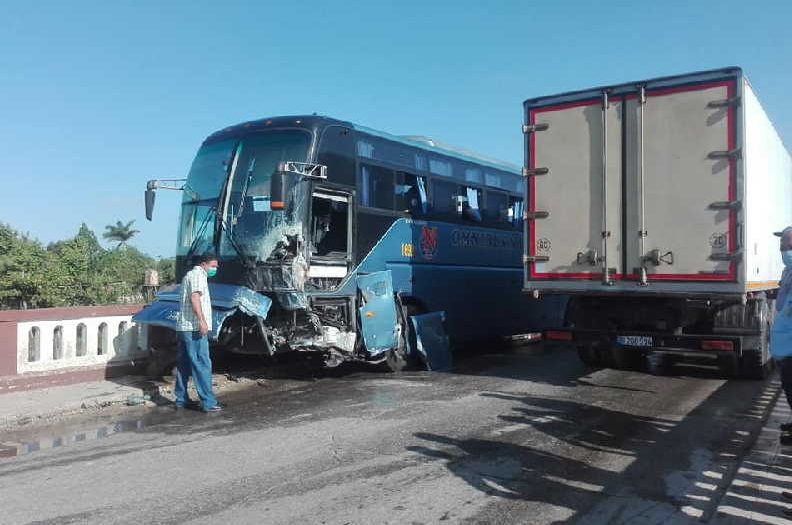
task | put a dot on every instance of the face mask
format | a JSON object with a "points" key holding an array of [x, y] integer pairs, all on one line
{"points": [[212, 271]]}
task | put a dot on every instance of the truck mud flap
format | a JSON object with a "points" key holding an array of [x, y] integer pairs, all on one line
{"points": [[378, 320], [431, 340], [226, 300]]}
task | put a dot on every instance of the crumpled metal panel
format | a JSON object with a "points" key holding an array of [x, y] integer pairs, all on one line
{"points": [[378, 314], [432, 341], [226, 299]]}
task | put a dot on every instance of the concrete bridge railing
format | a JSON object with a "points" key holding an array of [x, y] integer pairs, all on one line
{"points": [[53, 346]]}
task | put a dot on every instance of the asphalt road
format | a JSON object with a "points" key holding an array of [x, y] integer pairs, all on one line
{"points": [[510, 438]]}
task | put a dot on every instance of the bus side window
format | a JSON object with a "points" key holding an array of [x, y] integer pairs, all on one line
{"points": [[497, 211], [376, 187], [444, 197], [469, 200], [411, 195]]}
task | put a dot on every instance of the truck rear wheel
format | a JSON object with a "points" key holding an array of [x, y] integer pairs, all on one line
{"points": [[616, 357], [755, 362], [589, 355], [728, 365], [658, 364]]}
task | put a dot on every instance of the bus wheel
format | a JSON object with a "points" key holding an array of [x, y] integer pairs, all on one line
{"points": [[399, 358]]}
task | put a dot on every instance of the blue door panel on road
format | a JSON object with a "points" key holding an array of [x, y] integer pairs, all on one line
{"points": [[378, 313]]}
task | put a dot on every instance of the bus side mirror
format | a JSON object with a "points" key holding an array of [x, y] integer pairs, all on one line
{"points": [[150, 195], [278, 190]]}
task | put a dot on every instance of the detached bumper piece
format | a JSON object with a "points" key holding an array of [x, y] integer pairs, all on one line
{"points": [[432, 341]]}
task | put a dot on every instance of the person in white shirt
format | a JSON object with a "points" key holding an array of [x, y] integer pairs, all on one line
{"points": [[195, 323]]}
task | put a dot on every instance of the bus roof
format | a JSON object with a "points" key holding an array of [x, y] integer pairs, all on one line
{"points": [[415, 141]]}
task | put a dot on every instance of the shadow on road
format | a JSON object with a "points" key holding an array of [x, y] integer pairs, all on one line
{"points": [[616, 466]]}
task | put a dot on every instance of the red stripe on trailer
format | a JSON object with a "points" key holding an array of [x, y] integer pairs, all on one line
{"points": [[567, 105]]}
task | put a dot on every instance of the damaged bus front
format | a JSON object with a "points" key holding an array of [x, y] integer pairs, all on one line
{"points": [[282, 233]]}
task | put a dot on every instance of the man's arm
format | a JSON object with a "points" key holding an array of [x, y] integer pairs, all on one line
{"points": [[195, 301]]}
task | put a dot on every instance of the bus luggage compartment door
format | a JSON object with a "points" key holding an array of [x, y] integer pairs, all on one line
{"points": [[378, 322]]}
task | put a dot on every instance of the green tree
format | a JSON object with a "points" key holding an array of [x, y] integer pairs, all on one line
{"points": [[26, 277], [120, 232], [72, 272], [123, 272], [167, 271], [78, 273]]}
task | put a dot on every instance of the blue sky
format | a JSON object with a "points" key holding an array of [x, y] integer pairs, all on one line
{"points": [[98, 97]]}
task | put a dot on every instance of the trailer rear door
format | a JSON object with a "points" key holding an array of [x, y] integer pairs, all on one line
{"points": [[575, 208], [685, 202], [656, 200]]}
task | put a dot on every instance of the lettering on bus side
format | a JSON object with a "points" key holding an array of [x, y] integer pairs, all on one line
{"points": [[488, 240]]}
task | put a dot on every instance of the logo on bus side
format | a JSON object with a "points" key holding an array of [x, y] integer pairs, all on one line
{"points": [[429, 241]]}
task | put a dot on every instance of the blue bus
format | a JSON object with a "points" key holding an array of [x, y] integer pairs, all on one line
{"points": [[331, 237]]}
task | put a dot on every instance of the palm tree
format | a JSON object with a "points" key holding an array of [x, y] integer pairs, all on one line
{"points": [[120, 232]]}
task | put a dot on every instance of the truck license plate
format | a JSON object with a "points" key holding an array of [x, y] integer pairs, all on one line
{"points": [[634, 340]]}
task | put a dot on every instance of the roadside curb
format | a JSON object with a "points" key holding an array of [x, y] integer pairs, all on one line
{"points": [[42, 405]]}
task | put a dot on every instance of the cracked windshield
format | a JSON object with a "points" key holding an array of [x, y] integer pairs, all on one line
{"points": [[250, 223]]}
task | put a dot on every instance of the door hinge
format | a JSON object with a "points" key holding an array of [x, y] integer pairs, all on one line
{"points": [[531, 215], [726, 205], [532, 128], [727, 102], [735, 153], [726, 256], [532, 172]]}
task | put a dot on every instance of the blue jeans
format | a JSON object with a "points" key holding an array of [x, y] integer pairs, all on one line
{"points": [[193, 360]]}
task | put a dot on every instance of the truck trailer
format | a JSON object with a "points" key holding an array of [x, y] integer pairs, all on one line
{"points": [[652, 205]]}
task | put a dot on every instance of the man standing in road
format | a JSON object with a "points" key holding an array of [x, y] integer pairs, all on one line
{"points": [[781, 333], [195, 323]]}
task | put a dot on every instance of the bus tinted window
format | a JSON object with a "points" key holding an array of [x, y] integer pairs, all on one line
{"points": [[474, 175], [470, 200], [497, 209], [444, 197], [420, 162], [493, 179], [376, 187], [411, 195], [440, 167]]}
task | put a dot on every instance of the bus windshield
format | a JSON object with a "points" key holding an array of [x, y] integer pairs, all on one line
{"points": [[204, 184], [249, 221]]}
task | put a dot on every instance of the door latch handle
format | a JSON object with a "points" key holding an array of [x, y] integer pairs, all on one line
{"points": [[656, 258], [590, 257]]}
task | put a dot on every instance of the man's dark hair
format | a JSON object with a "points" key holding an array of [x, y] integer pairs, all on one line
{"points": [[198, 260]]}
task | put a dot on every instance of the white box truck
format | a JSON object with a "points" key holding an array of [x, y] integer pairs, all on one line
{"points": [[652, 204]]}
